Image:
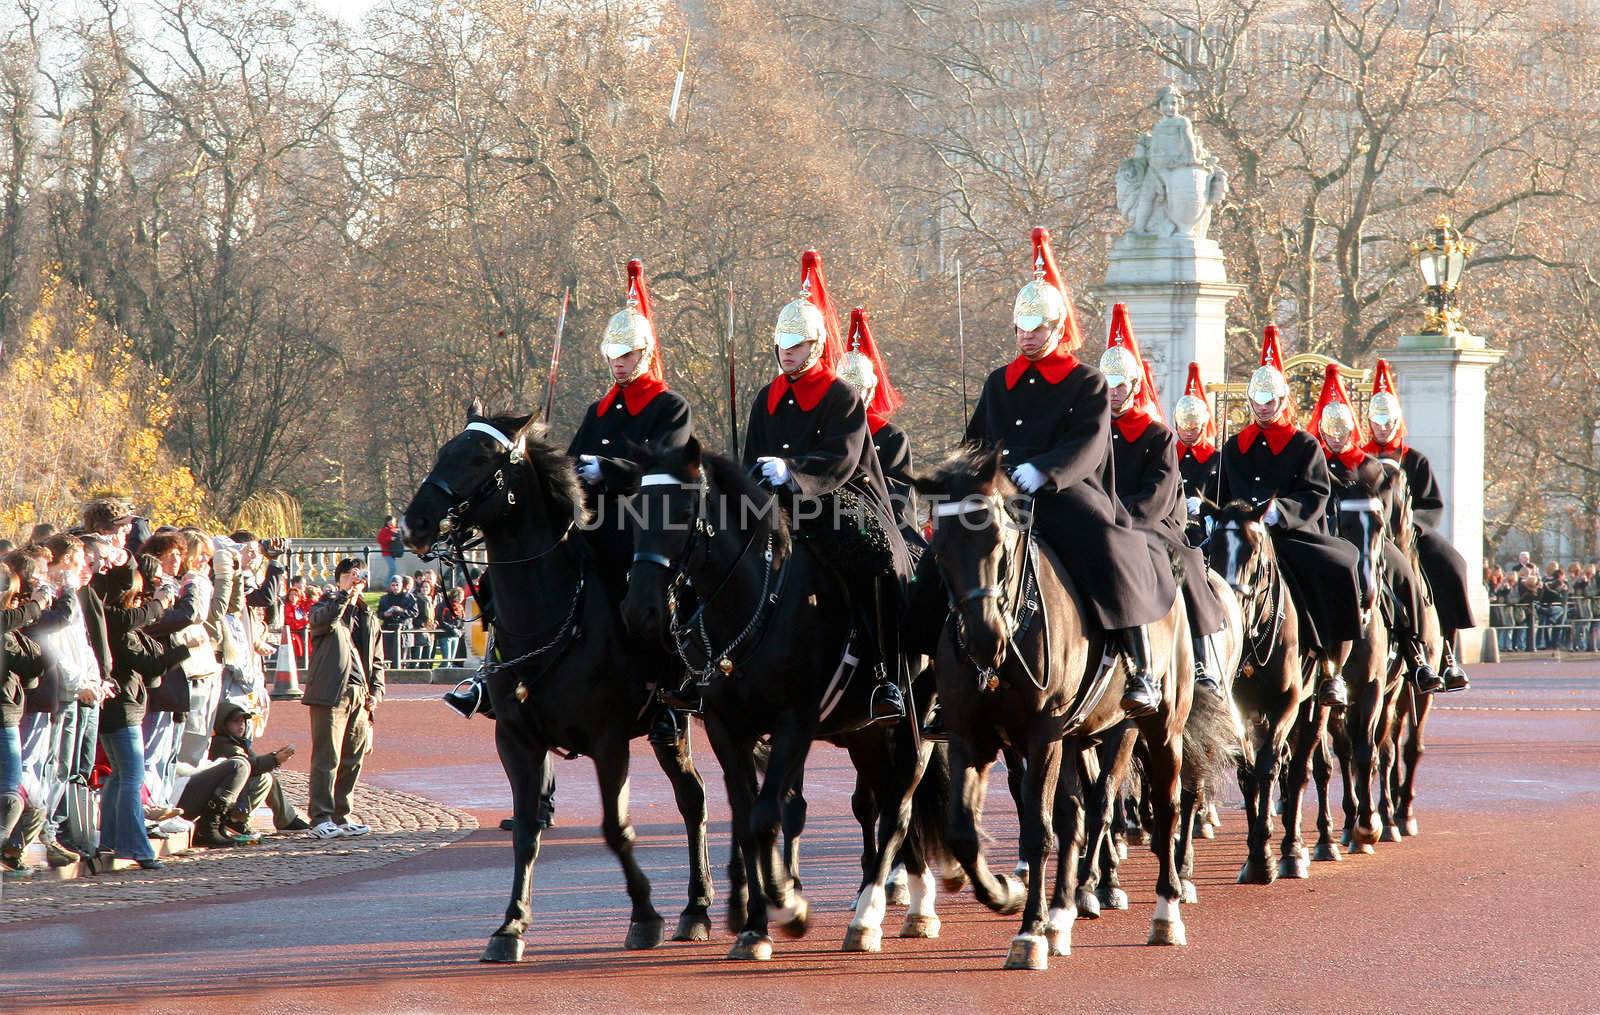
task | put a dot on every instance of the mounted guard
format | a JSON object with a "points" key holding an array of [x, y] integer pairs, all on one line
{"points": [[1273, 462], [1049, 415], [1197, 452], [863, 368], [809, 438], [1356, 476], [1444, 568], [1148, 482]]}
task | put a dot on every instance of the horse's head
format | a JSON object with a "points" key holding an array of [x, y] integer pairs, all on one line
{"points": [[671, 488], [1358, 518], [973, 530], [472, 482], [1240, 548]]}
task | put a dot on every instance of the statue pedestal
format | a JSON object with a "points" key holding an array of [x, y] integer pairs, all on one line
{"points": [[1442, 384], [1177, 292]]}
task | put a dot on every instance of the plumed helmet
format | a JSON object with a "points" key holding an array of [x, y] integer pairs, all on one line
{"points": [[1191, 413], [630, 328], [1336, 425], [810, 318], [1334, 418], [1384, 407], [856, 369], [1121, 366], [1268, 382], [1044, 299]]}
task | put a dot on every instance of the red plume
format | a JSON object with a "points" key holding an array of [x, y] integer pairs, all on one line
{"points": [[1193, 386], [639, 292], [1147, 394], [1271, 353], [1333, 392], [1044, 260], [886, 401], [811, 277], [1122, 334]]}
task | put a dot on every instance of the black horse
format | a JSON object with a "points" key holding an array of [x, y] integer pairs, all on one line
{"points": [[769, 636], [1273, 689], [564, 678], [1018, 665]]}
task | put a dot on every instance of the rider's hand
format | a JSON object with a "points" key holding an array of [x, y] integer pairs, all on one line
{"points": [[589, 469], [1028, 478], [1194, 506], [1273, 515], [775, 471]]}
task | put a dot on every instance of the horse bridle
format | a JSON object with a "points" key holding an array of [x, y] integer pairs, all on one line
{"points": [[451, 527], [1027, 600], [1259, 622], [1374, 507]]}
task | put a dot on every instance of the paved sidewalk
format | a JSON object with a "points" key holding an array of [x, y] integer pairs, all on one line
{"points": [[404, 825]]}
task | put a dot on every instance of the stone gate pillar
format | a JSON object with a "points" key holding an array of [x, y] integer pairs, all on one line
{"points": [[1442, 382]]}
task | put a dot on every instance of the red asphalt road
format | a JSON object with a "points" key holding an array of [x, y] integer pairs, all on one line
{"points": [[1491, 908]]}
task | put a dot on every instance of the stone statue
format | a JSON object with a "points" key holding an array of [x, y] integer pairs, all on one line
{"points": [[1170, 184]]}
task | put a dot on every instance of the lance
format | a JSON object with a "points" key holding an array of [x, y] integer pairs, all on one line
{"points": [[733, 386], [677, 86], [961, 344], [1222, 442], [555, 359]]}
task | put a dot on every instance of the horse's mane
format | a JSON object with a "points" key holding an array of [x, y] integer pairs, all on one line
{"points": [[730, 477], [551, 467], [964, 463]]}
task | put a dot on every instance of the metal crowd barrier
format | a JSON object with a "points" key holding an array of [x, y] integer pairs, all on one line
{"points": [[1571, 625]]}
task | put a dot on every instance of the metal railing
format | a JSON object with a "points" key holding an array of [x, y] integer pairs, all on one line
{"points": [[1571, 624]]}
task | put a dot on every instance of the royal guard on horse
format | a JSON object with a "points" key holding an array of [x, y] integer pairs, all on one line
{"points": [[1050, 415], [1444, 569], [1272, 461], [1197, 452], [1150, 485], [862, 367], [810, 439], [1357, 476]]}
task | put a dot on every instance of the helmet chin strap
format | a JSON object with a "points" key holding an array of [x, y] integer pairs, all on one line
{"points": [[1057, 331]]}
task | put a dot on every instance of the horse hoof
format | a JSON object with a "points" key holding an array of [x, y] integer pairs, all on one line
{"points": [[1016, 895], [1348, 839], [1212, 818], [1208, 830], [1294, 866], [899, 894], [1364, 849], [1411, 826], [1391, 833], [643, 935], [1114, 898], [953, 880], [1028, 951], [503, 948], [920, 926], [752, 946], [863, 939], [1189, 896], [1167, 932], [1058, 931], [693, 925], [1327, 851], [1367, 836], [1256, 872], [1088, 905], [792, 921]]}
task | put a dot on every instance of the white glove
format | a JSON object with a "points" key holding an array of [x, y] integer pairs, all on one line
{"points": [[775, 471], [589, 469], [1028, 478], [1194, 506], [1273, 515]]}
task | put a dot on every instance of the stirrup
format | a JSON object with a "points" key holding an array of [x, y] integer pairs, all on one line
{"points": [[471, 701], [887, 705]]}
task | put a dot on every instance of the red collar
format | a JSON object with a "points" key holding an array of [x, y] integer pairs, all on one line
{"points": [[1396, 450], [1351, 457], [1052, 368], [808, 390], [1278, 433], [1133, 423], [875, 422], [636, 394], [1201, 451]]}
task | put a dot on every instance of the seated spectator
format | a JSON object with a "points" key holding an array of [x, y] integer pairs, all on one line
{"points": [[232, 741]]}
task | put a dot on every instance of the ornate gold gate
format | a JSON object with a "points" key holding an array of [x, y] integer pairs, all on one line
{"points": [[1304, 373]]}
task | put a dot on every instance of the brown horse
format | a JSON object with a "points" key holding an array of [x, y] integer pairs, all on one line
{"points": [[1018, 666]]}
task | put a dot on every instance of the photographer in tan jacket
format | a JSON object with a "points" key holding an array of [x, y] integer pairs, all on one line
{"points": [[344, 686]]}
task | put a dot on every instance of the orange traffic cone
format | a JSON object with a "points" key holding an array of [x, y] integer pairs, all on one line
{"points": [[286, 684]]}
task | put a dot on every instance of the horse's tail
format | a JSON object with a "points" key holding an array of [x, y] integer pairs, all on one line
{"points": [[930, 809], [1210, 743]]}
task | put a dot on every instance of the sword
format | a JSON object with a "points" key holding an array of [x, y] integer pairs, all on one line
{"points": [[733, 386], [961, 343], [1221, 443], [555, 359]]}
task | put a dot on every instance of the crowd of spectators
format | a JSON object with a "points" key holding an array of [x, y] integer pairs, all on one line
{"points": [[1534, 610], [135, 685]]}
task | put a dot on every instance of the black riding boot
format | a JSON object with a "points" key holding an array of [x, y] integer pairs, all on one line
{"points": [[1332, 691], [888, 705], [1427, 681], [1205, 676], [470, 697], [1141, 694], [1455, 678], [670, 725]]}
